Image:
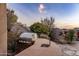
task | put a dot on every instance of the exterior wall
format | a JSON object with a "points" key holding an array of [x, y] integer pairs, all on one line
{"points": [[17, 28], [3, 29], [76, 31]]}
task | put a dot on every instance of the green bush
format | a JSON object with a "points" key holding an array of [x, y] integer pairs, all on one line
{"points": [[70, 36], [39, 28]]}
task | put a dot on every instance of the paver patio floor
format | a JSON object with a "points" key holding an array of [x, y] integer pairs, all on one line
{"points": [[37, 50]]}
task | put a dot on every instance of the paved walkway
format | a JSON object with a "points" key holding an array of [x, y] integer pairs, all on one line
{"points": [[37, 50]]}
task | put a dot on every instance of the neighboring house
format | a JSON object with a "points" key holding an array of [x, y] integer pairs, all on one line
{"points": [[24, 34], [19, 28], [27, 37], [76, 33], [56, 33]]}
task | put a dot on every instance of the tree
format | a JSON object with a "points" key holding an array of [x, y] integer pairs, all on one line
{"points": [[50, 24], [11, 18], [12, 37], [39, 28]]}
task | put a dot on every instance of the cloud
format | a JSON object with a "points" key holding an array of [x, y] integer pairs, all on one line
{"points": [[42, 8]]}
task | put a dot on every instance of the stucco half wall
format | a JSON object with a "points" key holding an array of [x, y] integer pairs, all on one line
{"points": [[3, 29]]}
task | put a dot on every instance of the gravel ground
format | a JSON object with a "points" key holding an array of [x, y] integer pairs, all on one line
{"points": [[70, 49]]}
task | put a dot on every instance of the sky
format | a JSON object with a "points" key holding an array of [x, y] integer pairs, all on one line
{"points": [[66, 15]]}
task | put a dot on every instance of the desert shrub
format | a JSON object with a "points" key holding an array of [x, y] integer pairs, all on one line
{"points": [[70, 36]]}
